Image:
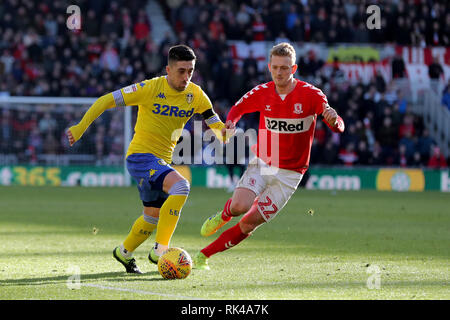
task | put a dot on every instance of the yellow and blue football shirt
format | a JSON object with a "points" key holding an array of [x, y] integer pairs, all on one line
{"points": [[162, 114]]}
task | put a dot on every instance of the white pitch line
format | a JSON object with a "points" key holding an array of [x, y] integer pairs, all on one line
{"points": [[139, 291]]}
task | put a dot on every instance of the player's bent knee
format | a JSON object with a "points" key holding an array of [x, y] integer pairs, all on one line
{"points": [[151, 211], [238, 207], [181, 187]]}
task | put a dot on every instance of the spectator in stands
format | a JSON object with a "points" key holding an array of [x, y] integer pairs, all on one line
{"points": [[417, 161], [344, 33], [249, 62], [292, 17], [370, 99], [232, 28], [350, 135], [437, 159], [347, 155], [407, 128], [398, 67], [47, 124], [110, 26], [361, 34], [435, 35], [91, 24], [320, 134], [363, 153], [376, 158], [259, 28], [35, 142], [222, 71], [141, 28], [329, 154], [446, 96], [401, 103], [237, 82], [402, 159], [100, 143], [309, 65], [446, 31], [216, 26], [321, 25], [387, 137], [109, 59], [402, 35], [408, 144], [6, 130], [435, 70], [369, 133], [243, 17], [424, 145], [188, 16], [7, 61], [22, 124]]}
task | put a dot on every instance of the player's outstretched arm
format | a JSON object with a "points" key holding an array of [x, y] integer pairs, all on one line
{"points": [[228, 130], [223, 131], [103, 103]]}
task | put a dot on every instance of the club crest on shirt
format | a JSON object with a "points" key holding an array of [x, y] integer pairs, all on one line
{"points": [[189, 98], [298, 108]]}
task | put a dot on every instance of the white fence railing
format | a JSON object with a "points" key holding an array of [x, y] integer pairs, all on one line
{"points": [[437, 120], [426, 102]]}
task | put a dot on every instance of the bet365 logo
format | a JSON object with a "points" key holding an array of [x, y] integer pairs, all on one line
{"points": [[73, 22]]}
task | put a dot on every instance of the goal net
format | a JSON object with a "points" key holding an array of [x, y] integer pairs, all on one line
{"points": [[34, 149]]}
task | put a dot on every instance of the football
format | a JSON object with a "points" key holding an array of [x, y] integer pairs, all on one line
{"points": [[175, 263]]}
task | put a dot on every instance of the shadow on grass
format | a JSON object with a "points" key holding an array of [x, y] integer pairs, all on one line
{"points": [[104, 276]]}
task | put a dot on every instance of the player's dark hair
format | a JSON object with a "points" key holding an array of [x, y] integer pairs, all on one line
{"points": [[180, 52]]}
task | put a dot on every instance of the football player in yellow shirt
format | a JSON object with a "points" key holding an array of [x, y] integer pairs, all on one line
{"points": [[165, 105]]}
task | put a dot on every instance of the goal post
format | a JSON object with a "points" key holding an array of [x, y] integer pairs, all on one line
{"points": [[25, 121]]}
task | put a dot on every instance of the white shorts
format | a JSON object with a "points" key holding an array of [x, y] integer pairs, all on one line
{"points": [[274, 186]]}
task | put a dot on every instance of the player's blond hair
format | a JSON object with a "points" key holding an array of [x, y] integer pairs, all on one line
{"points": [[283, 49]]}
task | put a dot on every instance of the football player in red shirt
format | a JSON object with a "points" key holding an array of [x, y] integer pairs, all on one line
{"points": [[288, 109]]}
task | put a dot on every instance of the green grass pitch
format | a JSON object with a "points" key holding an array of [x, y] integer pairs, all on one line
{"points": [[48, 233]]}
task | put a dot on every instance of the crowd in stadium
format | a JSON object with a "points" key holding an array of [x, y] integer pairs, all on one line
{"points": [[39, 57], [414, 22]]}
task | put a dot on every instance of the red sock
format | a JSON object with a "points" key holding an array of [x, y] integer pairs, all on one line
{"points": [[229, 238], [226, 213]]}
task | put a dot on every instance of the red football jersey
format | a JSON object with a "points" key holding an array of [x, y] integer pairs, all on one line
{"points": [[286, 127]]}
